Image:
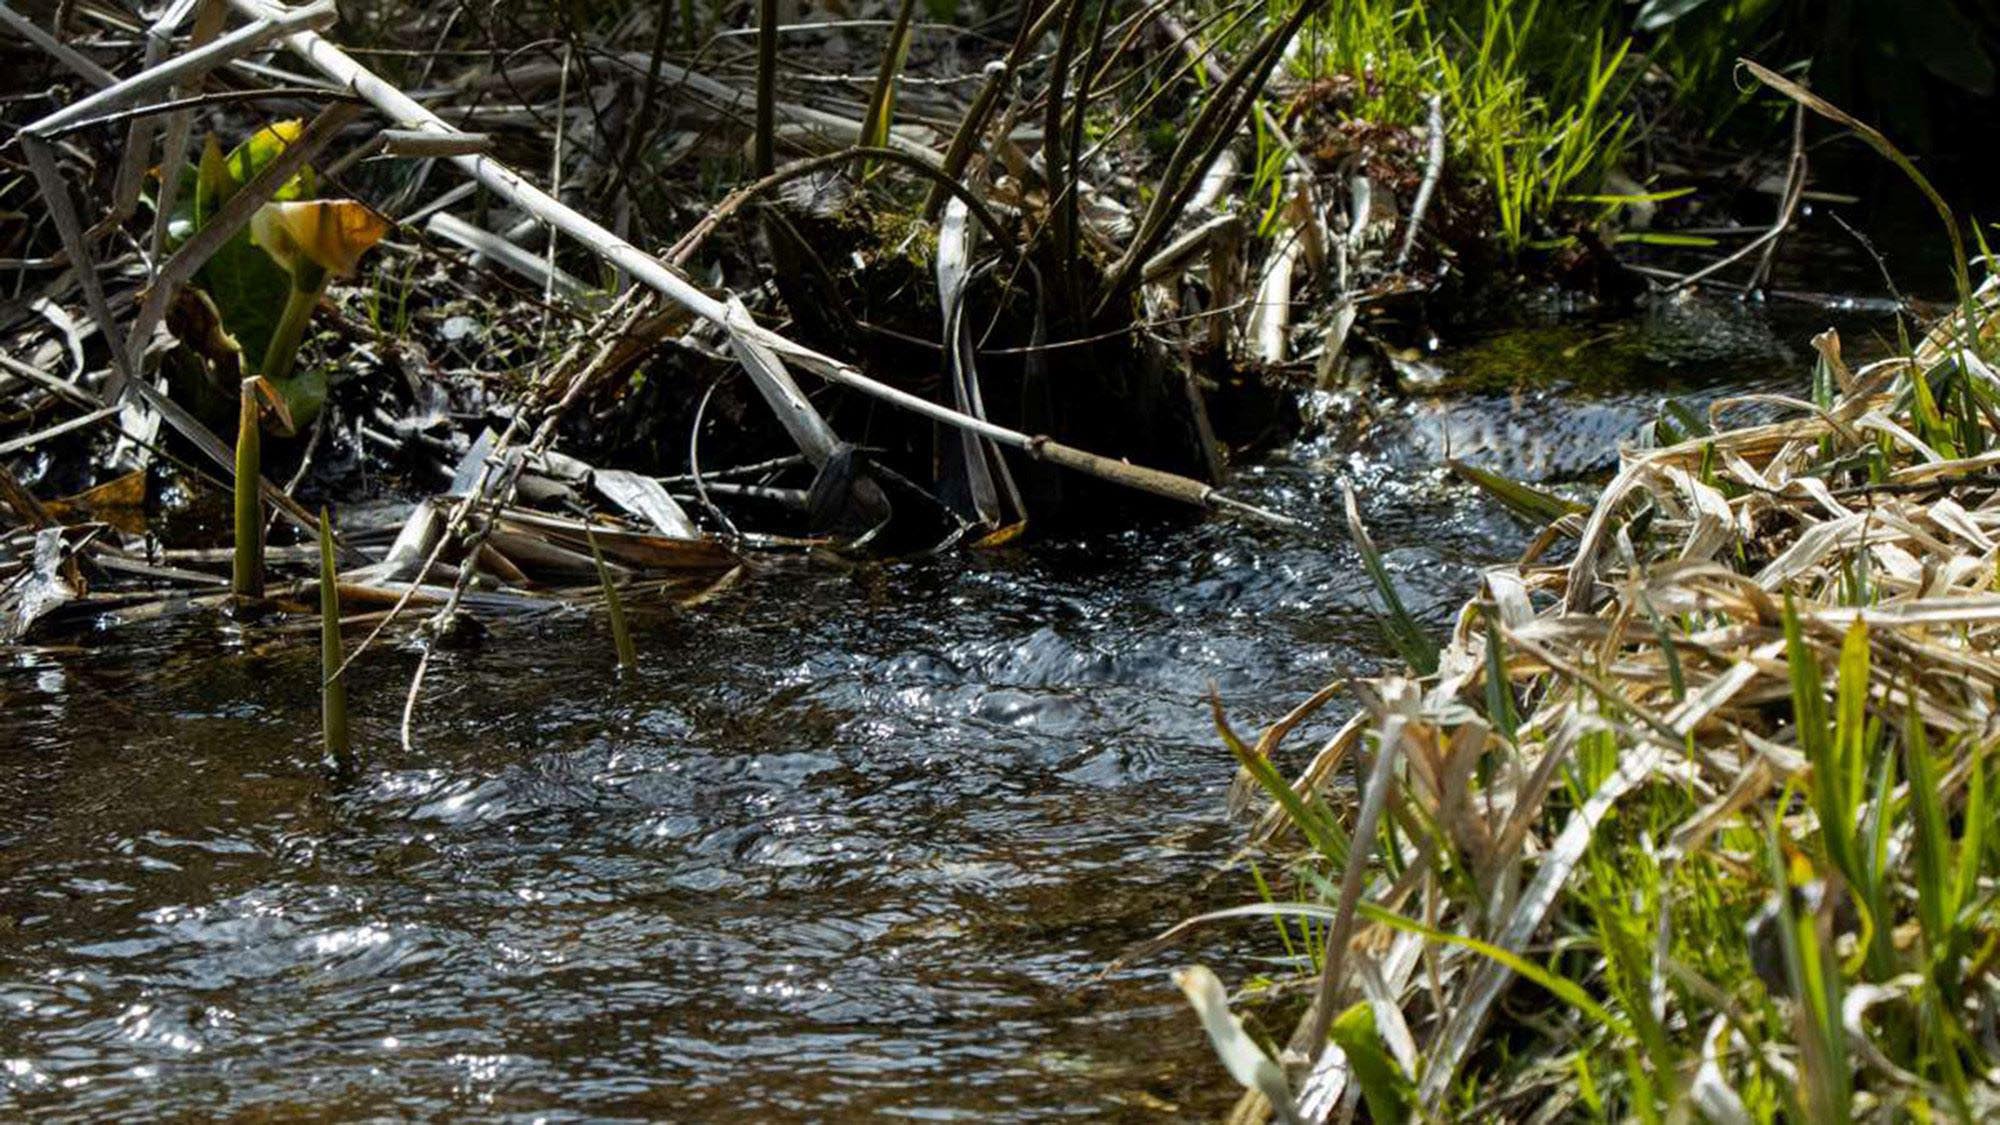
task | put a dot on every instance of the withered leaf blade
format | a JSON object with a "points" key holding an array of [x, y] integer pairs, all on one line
{"points": [[120, 502]]}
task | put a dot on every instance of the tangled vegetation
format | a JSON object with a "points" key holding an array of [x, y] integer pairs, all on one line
{"points": [[226, 210], [1691, 817], [1694, 821]]}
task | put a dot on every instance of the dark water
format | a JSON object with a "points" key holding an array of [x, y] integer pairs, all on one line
{"points": [[853, 844]]}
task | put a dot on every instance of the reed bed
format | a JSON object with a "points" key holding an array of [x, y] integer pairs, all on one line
{"points": [[1692, 817]]}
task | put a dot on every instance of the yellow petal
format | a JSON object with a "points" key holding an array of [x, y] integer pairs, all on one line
{"points": [[330, 233]]}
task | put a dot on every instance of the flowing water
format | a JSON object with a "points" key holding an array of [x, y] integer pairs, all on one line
{"points": [[852, 843]]}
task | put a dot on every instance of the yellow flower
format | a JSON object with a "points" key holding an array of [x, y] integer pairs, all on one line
{"points": [[330, 233]]}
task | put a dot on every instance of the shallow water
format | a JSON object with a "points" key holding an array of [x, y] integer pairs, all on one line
{"points": [[852, 843]]}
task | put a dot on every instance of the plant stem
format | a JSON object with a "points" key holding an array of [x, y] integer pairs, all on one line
{"points": [[621, 634], [882, 101], [283, 351], [1055, 168], [1215, 125], [767, 86], [973, 124], [247, 574], [641, 133], [333, 685]]}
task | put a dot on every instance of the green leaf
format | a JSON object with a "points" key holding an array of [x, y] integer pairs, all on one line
{"points": [[248, 287], [1661, 238], [1383, 1083], [1635, 197], [1814, 734], [1936, 908], [882, 103], [1564, 989], [1531, 504], [303, 394], [1306, 813], [215, 177], [210, 181], [621, 637], [1499, 690], [264, 146], [1677, 423], [1972, 846], [1403, 631], [1850, 710], [1930, 422], [249, 290]]}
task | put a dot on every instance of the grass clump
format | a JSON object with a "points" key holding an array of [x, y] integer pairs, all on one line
{"points": [[1697, 823], [1533, 94]]}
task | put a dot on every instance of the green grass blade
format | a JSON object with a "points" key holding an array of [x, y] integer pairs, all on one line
{"points": [[1499, 689], [1564, 989], [1851, 716], [1529, 503], [882, 101], [1405, 634], [1972, 845], [1936, 889], [621, 636], [1814, 977], [1810, 722], [1312, 820], [1386, 1088]]}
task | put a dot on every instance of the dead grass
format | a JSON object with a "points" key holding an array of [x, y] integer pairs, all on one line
{"points": [[1717, 786]]}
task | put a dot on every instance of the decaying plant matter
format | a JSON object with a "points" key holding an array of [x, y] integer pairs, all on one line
{"points": [[941, 296], [1041, 344]]}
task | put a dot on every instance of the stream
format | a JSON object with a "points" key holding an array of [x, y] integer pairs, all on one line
{"points": [[852, 843]]}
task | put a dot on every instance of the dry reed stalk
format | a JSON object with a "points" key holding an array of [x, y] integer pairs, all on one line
{"points": [[749, 339], [1666, 640]]}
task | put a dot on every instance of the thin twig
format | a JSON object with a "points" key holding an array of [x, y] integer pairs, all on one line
{"points": [[1433, 169]]}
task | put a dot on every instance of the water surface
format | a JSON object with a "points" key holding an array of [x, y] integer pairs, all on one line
{"points": [[854, 842]]}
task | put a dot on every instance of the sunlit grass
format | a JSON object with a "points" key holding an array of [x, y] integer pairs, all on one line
{"points": [[1533, 93], [1724, 813]]}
